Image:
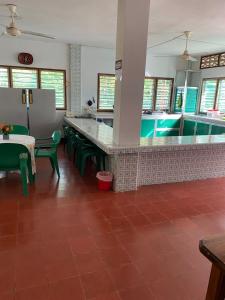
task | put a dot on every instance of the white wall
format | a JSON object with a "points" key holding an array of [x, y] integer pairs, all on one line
{"points": [[46, 55], [160, 66], [213, 72], [100, 60], [93, 61]]}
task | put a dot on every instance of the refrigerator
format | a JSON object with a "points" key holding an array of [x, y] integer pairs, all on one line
{"points": [[33, 108]]}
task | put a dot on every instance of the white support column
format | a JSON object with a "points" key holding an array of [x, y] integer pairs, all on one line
{"points": [[132, 36], [75, 78]]}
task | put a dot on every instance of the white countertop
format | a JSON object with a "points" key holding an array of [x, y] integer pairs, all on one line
{"points": [[102, 135], [204, 118], [154, 116]]}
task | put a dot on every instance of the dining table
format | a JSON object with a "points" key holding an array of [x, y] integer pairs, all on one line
{"points": [[26, 140]]}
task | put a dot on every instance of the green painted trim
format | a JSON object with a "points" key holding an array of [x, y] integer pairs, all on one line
{"points": [[168, 123], [147, 128]]}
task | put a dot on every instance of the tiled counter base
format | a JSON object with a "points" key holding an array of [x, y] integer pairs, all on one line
{"points": [[146, 168], [124, 168], [156, 160], [183, 165]]}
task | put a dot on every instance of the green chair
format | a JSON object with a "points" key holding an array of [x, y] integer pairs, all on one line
{"points": [[19, 129], [92, 153], [17, 157], [69, 134], [49, 149], [85, 150]]}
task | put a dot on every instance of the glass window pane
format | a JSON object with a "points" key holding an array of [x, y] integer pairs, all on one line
{"points": [[221, 96], [4, 78], [163, 94], [54, 80], [208, 94], [106, 93], [148, 93], [24, 78]]}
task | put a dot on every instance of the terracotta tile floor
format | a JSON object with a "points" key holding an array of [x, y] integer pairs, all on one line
{"points": [[70, 241]]}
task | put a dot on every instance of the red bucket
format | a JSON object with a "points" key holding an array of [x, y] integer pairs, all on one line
{"points": [[104, 181]]}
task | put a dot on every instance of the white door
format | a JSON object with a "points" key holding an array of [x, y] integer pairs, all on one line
{"points": [[42, 112], [13, 108]]}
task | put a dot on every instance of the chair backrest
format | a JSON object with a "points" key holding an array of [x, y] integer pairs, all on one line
{"points": [[56, 137], [10, 155], [20, 129]]}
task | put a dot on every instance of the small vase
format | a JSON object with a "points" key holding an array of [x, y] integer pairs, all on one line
{"points": [[5, 136]]}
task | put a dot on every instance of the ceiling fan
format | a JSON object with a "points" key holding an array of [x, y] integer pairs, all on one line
{"points": [[14, 31], [185, 55]]}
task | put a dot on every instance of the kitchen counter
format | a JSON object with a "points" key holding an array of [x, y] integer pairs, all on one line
{"points": [[102, 135], [154, 116], [156, 160], [204, 118]]}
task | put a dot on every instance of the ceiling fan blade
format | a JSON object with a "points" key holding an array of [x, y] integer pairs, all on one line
{"points": [[38, 34]]}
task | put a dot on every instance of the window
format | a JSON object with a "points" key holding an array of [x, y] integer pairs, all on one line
{"points": [[149, 90], [157, 93], [164, 94], [4, 77], [54, 80], [208, 94], [32, 78], [213, 94], [221, 95], [24, 78], [106, 92]]}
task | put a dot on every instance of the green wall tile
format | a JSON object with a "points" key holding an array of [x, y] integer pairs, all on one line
{"points": [[217, 129], [168, 123], [202, 129], [189, 127], [147, 128]]}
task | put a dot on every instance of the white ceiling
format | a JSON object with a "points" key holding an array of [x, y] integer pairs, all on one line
{"points": [[93, 22]]}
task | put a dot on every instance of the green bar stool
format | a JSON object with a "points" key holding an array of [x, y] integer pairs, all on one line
{"points": [[70, 141], [92, 153], [85, 150]]}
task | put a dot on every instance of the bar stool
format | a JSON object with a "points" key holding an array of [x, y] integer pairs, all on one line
{"points": [[85, 150], [69, 136]]}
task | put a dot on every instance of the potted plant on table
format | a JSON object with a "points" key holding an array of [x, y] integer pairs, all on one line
{"points": [[6, 129]]}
